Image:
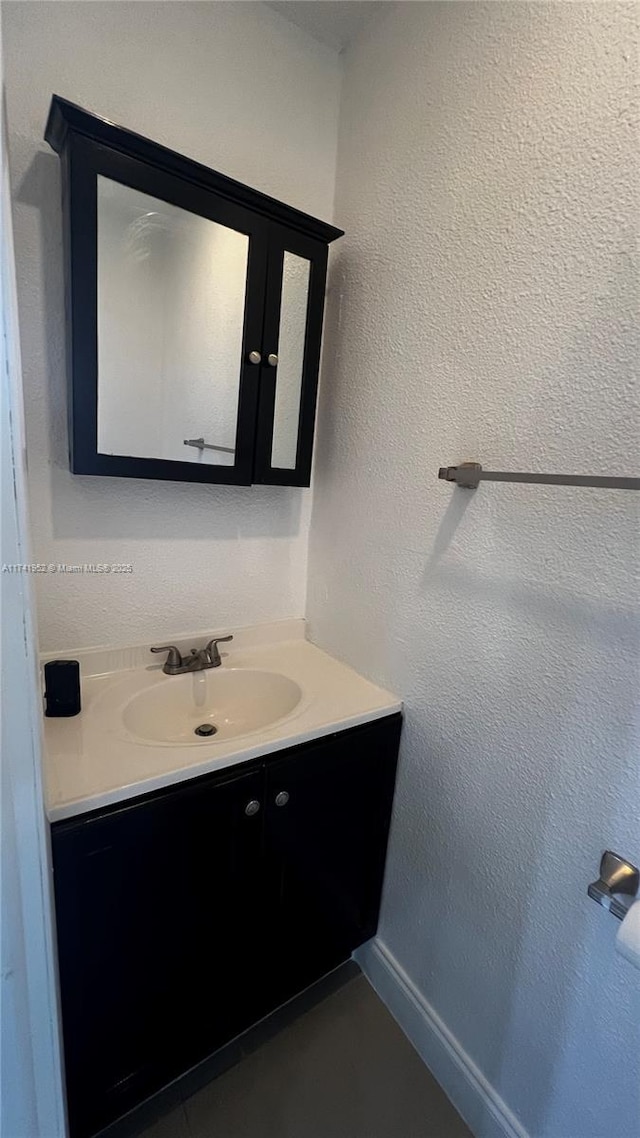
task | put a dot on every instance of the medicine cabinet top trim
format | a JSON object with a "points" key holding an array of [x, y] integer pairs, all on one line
{"points": [[65, 116]]}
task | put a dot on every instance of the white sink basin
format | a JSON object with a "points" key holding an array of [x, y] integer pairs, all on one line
{"points": [[135, 733], [235, 701]]}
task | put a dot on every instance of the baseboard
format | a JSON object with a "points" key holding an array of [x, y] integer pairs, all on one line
{"points": [[480, 1105]]}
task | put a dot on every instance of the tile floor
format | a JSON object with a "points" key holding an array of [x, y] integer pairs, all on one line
{"points": [[342, 1070]]}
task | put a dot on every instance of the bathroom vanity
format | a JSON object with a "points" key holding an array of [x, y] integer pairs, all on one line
{"points": [[197, 898]]}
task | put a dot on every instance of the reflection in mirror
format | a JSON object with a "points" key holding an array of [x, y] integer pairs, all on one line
{"points": [[171, 298], [293, 320]]}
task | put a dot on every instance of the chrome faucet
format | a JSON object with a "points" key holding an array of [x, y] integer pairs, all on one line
{"points": [[199, 659]]}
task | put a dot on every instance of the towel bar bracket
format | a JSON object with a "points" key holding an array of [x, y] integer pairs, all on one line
{"points": [[467, 474]]}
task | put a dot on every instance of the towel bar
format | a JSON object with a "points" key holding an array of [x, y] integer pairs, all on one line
{"points": [[469, 475]]}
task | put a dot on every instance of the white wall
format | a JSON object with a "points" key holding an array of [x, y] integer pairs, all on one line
{"points": [[485, 307], [31, 1101], [233, 85]]}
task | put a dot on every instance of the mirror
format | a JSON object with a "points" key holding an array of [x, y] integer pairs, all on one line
{"points": [[171, 303], [291, 343]]}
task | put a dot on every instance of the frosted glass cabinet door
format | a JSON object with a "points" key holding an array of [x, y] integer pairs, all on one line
{"points": [[293, 326], [171, 301]]}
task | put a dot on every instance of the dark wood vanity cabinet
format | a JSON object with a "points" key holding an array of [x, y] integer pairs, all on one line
{"points": [[186, 916], [327, 819], [194, 313], [157, 904]]}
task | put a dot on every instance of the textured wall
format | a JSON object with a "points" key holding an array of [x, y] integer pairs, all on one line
{"points": [[234, 86], [30, 1042], [487, 180]]}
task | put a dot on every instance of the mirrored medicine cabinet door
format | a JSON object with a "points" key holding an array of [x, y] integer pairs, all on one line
{"points": [[195, 314], [164, 335], [293, 328], [172, 293]]}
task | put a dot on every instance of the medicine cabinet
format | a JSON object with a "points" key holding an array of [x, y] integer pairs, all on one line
{"points": [[194, 310]]}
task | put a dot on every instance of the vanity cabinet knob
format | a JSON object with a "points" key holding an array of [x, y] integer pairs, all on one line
{"points": [[255, 358], [272, 359], [252, 807], [282, 798]]}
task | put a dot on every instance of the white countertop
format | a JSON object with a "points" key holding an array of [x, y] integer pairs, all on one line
{"points": [[91, 761]]}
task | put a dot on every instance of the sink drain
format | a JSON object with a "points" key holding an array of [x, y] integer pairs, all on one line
{"points": [[205, 729]]}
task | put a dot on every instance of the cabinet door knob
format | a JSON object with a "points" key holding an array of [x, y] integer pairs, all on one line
{"points": [[282, 798], [272, 359], [255, 358], [252, 807]]}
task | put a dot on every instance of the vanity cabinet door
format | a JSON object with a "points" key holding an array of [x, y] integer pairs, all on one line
{"points": [[328, 814], [157, 907]]}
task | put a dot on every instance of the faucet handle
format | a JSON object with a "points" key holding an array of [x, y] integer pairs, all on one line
{"points": [[174, 659], [212, 649]]}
